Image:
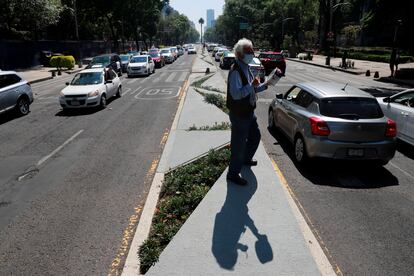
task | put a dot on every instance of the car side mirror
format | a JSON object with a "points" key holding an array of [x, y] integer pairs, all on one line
{"points": [[387, 100], [67, 83], [108, 81], [279, 96]]}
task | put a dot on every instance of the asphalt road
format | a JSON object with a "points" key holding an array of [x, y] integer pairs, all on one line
{"points": [[68, 216], [363, 217]]}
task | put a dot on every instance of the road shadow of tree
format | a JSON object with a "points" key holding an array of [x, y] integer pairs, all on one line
{"points": [[336, 173], [233, 220]]}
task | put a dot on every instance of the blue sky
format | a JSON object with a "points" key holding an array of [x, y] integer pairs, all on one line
{"points": [[194, 9]]}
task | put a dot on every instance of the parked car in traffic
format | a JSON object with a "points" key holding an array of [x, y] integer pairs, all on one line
{"points": [[158, 59], [167, 54], [257, 69], [141, 65], [400, 108], [227, 60], [219, 53], [112, 61], [191, 50], [215, 50], [180, 50], [90, 88], [272, 60], [174, 52], [125, 61], [331, 120], [210, 47], [15, 93]]}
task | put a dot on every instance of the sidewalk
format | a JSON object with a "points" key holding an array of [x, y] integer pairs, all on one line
{"points": [[361, 66], [252, 230], [38, 74]]}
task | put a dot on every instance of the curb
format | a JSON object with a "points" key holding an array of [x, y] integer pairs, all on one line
{"points": [[395, 81], [326, 66], [40, 80]]}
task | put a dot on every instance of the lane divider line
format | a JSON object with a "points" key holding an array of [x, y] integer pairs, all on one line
{"points": [[403, 171], [322, 257], [44, 159]]}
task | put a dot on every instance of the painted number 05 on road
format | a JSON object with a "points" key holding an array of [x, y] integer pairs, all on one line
{"points": [[158, 93]]}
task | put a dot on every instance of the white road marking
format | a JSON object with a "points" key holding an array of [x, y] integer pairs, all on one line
{"points": [[183, 76], [136, 90], [403, 171], [44, 159], [171, 77], [131, 81], [159, 77]]}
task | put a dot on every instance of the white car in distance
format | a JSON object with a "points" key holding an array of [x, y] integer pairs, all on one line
{"points": [[191, 50], [141, 65], [167, 54], [90, 88]]}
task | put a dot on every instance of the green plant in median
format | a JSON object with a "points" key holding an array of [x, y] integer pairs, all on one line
{"points": [[182, 191], [216, 126], [217, 100], [211, 88], [199, 82]]}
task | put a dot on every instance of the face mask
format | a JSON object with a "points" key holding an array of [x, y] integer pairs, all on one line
{"points": [[248, 58]]}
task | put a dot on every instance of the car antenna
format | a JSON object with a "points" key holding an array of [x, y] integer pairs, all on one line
{"points": [[343, 89]]}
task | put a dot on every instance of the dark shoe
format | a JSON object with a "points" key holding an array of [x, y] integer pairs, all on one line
{"points": [[237, 180], [251, 163]]}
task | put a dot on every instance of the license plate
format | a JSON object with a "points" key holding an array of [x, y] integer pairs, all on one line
{"points": [[75, 102], [356, 152]]}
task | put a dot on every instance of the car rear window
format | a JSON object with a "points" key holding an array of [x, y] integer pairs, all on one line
{"points": [[353, 108]]}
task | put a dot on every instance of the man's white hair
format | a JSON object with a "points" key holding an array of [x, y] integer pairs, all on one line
{"points": [[240, 45]]}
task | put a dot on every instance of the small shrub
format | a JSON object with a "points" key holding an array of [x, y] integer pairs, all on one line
{"points": [[217, 100], [62, 62], [216, 126]]}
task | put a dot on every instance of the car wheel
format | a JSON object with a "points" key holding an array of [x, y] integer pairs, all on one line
{"points": [[119, 92], [300, 150], [23, 106], [271, 120], [102, 104]]}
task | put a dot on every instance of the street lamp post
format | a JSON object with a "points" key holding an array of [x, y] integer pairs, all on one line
{"points": [[75, 13], [201, 21], [283, 29], [332, 9]]}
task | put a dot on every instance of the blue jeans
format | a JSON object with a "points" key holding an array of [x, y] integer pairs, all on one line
{"points": [[245, 139]]}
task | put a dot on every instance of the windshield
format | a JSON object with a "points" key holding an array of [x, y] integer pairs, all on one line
{"points": [[155, 55], [100, 60], [165, 51], [87, 78], [124, 57], [355, 108], [138, 59]]}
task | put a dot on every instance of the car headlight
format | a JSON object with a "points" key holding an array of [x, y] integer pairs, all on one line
{"points": [[61, 94], [93, 94]]}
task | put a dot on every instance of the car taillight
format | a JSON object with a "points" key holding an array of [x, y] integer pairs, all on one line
{"points": [[319, 127], [391, 129]]}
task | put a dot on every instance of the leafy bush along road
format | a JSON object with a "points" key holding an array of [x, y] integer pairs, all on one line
{"points": [[182, 191]]}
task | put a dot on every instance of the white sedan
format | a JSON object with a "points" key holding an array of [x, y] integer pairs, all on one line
{"points": [[191, 50], [219, 54], [400, 108], [90, 88], [141, 65]]}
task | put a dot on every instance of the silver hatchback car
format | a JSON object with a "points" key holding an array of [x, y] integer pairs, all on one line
{"points": [[333, 121], [15, 93]]}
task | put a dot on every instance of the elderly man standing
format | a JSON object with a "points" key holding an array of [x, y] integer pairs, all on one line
{"points": [[242, 87]]}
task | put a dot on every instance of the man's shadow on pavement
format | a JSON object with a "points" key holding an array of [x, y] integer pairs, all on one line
{"points": [[233, 220]]}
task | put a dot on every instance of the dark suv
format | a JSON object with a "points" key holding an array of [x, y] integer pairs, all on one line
{"points": [[112, 61], [271, 60]]}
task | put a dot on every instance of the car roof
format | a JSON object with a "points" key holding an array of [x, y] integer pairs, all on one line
{"points": [[7, 73], [272, 53], [93, 70], [141, 56], [331, 89]]}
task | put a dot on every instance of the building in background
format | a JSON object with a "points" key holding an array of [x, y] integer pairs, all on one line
{"points": [[210, 18]]}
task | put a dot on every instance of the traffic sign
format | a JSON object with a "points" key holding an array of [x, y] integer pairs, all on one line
{"points": [[244, 26]]}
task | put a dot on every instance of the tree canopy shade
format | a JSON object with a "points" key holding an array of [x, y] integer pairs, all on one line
{"points": [[117, 20], [358, 22]]}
